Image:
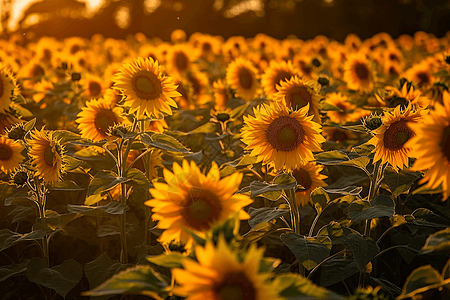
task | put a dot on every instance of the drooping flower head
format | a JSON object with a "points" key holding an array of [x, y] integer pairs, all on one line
{"points": [[308, 176], [48, 155], [147, 90], [297, 93], [391, 137], [281, 136], [95, 119], [431, 146], [194, 201], [242, 76], [220, 274], [10, 154]]}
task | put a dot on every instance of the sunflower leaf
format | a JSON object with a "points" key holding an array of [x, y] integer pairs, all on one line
{"points": [[422, 279], [349, 190], [104, 181], [172, 260], [65, 136], [138, 280], [61, 278], [13, 269], [264, 214], [269, 191], [164, 142], [439, 241], [308, 251], [294, 286], [336, 270], [356, 128], [400, 182], [9, 238], [320, 199], [363, 250], [67, 185], [109, 210], [381, 206]]}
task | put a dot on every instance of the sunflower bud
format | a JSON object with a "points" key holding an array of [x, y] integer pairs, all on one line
{"points": [[372, 122], [119, 130], [323, 81], [75, 76], [20, 178], [17, 132], [176, 247]]}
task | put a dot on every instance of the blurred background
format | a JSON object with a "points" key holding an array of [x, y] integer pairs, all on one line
{"points": [[278, 18]]}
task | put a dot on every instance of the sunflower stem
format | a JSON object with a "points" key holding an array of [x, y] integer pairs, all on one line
{"points": [[295, 217], [373, 189], [41, 200]]}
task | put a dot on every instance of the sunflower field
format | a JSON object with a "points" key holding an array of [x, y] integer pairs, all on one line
{"points": [[225, 169]]}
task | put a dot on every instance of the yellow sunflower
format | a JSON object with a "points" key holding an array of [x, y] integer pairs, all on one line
{"points": [[92, 85], [297, 92], [358, 73], [221, 94], [421, 74], [279, 135], [155, 161], [243, 77], [308, 175], [95, 119], [10, 154], [148, 91], [47, 154], [276, 73], [194, 201], [223, 274], [179, 58], [157, 126], [41, 88], [8, 118], [391, 137], [431, 146], [8, 87], [346, 113]]}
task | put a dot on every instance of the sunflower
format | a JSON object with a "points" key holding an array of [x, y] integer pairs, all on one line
{"points": [[406, 92], [243, 77], [221, 273], [234, 47], [200, 84], [148, 91], [276, 73], [178, 36], [41, 88], [345, 114], [391, 137], [8, 87], [95, 119], [194, 201], [297, 92], [92, 85], [157, 126], [155, 161], [48, 155], [282, 136], [8, 118], [308, 176], [10, 154], [179, 58], [221, 94], [431, 146], [338, 135], [358, 73], [185, 88], [420, 74]]}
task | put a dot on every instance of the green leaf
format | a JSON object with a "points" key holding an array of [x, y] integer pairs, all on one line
{"points": [[103, 268], [164, 142], [349, 190], [269, 191], [95, 159], [104, 181], [110, 210], [141, 280], [363, 250], [238, 110], [308, 251], [400, 182], [331, 157], [265, 214], [320, 199], [20, 197], [67, 185], [226, 170], [424, 189], [29, 125], [93, 199], [205, 128], [9, 238], [420, 280], [72, 163], [13, 269], [336, 270], [257, 233], [60, 220], [137, 178], [359, 162], [20, 213], [364, 149], [381, 206], [356, 128], [294, 286], [172, 260], [439, 241], [61, 278], [65, 136]]}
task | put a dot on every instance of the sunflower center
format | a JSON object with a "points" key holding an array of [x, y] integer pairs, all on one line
{"points": [[245, 78], [94, 88], [205, 209], [397, 135], [37, 70], [285, 134], [361, 71], [206, 47], [235, 286], [281, 75], [104, 119], [2, 88], [147, 86], [298, 97], [5, 152], [303, 178], [49, 156], [47, 54], [445, 142], [181, 61], [423, 78]]}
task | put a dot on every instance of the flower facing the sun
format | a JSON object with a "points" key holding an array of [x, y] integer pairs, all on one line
{"points": [[391, 137], [147, 90], [194, 201], [278, 135], [221, 273], [95, 119], [358, 73], [307, 174], [10, 154], [297, 92], [242, 76], [8, 87], [48, 155], [275, 74], [431, 146]]}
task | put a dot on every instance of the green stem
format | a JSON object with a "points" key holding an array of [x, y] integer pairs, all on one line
{"points": [[295, 217], [374, 184]]}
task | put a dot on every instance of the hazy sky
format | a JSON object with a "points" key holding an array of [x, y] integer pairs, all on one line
{"points": [[20, 5]]}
